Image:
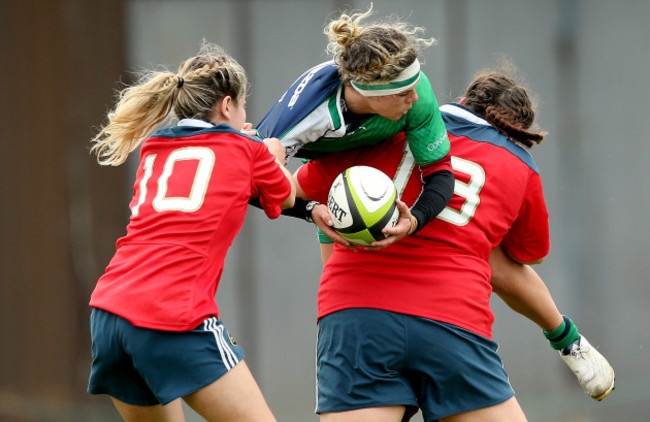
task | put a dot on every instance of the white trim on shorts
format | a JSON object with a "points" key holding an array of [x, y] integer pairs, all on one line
{"points": [[228, 356]]}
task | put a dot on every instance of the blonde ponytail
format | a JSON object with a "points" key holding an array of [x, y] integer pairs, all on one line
{"points": [[201, 82]]}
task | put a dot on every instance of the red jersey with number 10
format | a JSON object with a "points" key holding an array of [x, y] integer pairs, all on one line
{"points": [[189, 202], [441, 272]]}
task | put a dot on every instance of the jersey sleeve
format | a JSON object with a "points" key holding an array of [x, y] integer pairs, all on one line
{"points": [[442, 164], [528, 238], [303, 114], [425, 130], [269, 181]]}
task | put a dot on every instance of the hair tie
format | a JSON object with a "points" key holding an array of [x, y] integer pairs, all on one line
{"points": [[181, 81]]}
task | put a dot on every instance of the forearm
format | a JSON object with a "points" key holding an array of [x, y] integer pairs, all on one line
{"points": [[436, 194], [299, 209], [290, 201], [523, 291]]}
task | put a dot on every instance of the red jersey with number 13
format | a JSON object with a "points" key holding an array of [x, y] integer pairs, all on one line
{"points": [[442, 272], [189, 202]]}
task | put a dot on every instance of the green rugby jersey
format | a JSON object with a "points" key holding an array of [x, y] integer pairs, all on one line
{"points": [[309, 117]]}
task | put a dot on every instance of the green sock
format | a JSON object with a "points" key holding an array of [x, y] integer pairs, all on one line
{"points": [[563, 335]]}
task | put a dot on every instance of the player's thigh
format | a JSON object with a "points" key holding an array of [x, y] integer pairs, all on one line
{"points": [[361, 355], [171, 412], [233, 397], [509, 411], [372, 414], [453, 370]]}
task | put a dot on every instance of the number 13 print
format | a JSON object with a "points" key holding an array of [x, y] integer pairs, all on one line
{"points": [[468, 191]]}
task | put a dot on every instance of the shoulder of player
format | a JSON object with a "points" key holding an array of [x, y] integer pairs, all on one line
{"points": [[176, 132], [314, 86], [427, 104], [423, 88], [307, 95], [220, 136]]}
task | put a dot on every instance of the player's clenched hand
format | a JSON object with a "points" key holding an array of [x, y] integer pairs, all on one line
{"points": [[323, 220], [247, 129], [402, 229]]}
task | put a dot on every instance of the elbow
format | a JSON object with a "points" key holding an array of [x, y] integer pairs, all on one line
{"points": [[291, 199], [289, 202]]}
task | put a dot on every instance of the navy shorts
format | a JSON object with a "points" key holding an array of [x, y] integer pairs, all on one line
{"points": [[371, 358], [145, 367]]}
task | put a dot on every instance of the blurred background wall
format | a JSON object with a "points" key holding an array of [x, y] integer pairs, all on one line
{"points": [[60, 213]]}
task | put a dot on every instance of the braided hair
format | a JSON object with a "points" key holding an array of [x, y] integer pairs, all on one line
{"points": [[505, 105]]}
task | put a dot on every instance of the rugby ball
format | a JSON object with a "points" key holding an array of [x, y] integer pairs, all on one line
{"points": [[361, 203]]}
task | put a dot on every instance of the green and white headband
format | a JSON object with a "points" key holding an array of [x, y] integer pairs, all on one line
{"points": [[406, 80]]}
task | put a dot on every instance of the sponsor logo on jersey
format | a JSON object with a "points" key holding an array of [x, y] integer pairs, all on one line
{"points": [[301, 86], [434, 145]]}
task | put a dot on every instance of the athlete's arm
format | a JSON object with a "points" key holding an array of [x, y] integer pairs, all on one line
{"points": [[523, 290], [436, 193], [428, 141], [276, 148]]}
